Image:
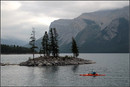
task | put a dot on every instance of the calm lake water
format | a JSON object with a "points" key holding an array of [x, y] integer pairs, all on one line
{"points": [[115, 66]]}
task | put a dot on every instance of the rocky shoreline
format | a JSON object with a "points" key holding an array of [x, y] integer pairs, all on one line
{"points": [[2, 64], [52, 61], [6, 64]]}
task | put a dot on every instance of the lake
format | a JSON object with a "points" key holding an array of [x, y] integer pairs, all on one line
{"points": [[114, 65]]}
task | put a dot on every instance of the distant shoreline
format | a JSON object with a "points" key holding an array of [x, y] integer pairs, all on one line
{"points": [[35, 53]]}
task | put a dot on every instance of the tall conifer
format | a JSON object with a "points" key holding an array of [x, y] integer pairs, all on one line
{"points": [[74, 48], [32, 42], [45, 44], [54, 42]]}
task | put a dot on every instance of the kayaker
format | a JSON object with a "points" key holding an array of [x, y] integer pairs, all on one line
{"points": [[94, 73]]}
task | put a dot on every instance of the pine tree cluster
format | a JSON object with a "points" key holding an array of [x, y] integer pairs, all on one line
{"points": [[50, 43], [14, 49]]}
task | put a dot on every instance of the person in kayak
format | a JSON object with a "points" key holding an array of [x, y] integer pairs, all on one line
{"points": [[94, 73]]}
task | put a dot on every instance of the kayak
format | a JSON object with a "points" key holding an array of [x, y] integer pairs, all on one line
{"points": [[92, 75]]}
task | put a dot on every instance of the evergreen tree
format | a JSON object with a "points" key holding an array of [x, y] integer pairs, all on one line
{"points": [[54, 42], [45, 44], [40, 51], [32, 42], [6, 49], [74, 48]]}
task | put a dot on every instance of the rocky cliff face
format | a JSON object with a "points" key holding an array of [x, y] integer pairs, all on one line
{"points": [[100, 31], [105, 17], [112, 39], [67, 29]]}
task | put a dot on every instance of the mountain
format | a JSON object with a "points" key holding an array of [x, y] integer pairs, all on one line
{"points": [[112, 39], [105, 31], [13, 42]]}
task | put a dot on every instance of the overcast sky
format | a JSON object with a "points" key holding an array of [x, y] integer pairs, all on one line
{"points": [[18, 17]]}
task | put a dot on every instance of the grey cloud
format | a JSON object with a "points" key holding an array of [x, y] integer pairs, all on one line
{"points": [[65, 9], [23, 31], [18, 23]]}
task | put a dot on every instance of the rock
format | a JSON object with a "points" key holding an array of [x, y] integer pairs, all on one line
{"points": [[40, 64], [45, 62], [55, 61], [31, 63], [23, 64], [2, 64], [48, 64]]}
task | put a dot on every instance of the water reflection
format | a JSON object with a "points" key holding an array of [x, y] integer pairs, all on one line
{"points": [[75, 68], [50, 75], [41, 76], [31, 75], [53, 69]]}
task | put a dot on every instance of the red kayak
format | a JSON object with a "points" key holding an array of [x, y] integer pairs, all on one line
{"points": [[92, 75]]}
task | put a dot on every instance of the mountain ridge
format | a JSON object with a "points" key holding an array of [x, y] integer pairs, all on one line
{"points": [[13, 42], [92, 29]]}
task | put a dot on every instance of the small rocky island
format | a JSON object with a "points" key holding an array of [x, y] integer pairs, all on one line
{"points": [[53, 61], [50, 47]]}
